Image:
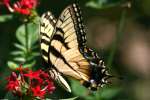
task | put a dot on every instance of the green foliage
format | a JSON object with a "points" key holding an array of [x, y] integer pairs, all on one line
{"points": [[29, 29], [108, 93], [78, 89], [105, 93], [102, 4], [4, 18], [74, 98], [25, 53], [10, 96]]}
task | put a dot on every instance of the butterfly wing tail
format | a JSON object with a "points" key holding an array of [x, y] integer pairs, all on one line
{"points": [[60, 79]]}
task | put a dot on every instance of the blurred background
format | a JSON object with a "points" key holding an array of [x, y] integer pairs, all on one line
{"points": [[119, 30]]}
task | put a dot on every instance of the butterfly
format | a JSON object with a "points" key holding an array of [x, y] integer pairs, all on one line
{"points": [[63, 48]]}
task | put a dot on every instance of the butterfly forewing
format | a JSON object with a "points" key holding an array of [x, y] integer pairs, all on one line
{"points": [[47, 26], [66, 41]]}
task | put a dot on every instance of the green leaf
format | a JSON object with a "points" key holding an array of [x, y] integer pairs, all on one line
{"points": [[33, 30], [102, 4], [74, 98], [76, 87], [20, 59], [93, 4], [10, 96], [33, 55], [16, 53], [28, 33], [36, 20], [20, 34], [29, 65], [12, 65], [48, 99], [96, 3], [109, 93], [35, 47], [21, 47], [4, 18]]}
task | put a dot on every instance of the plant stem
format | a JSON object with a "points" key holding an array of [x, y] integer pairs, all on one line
{"points": [[26, 32], [118, 37], [27, 39]]}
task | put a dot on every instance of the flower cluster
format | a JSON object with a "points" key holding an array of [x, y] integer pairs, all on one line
{"points": [[32, 83], [21, 6]]}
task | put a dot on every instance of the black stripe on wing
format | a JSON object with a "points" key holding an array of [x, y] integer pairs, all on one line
{"points": [[61, 39], [78, 24], [50, 18], [43, 34], [45, 42], [47, 24], [59, 55]]}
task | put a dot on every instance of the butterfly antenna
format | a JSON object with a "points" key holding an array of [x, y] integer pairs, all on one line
{"points": [[116, 77]]}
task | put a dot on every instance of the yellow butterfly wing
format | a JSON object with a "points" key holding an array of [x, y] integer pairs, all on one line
{"points": [[65, 46]]}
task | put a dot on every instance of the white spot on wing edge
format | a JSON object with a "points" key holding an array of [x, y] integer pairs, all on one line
{"points": [[74, 5]]}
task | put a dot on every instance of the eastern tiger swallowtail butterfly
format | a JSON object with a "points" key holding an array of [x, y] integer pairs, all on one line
{"points": [[63, 47]]}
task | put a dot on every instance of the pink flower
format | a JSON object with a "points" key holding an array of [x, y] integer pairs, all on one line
{"points": [[38, 92], [21, 6], [21, 69], [28, 82], [50, 86], [34, 75], [13, 83]]}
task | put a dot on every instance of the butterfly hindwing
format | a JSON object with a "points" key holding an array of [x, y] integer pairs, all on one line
{"points": [[47, 26]]}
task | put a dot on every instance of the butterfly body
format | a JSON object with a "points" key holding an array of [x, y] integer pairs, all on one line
{"points": [[63, 46]]}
